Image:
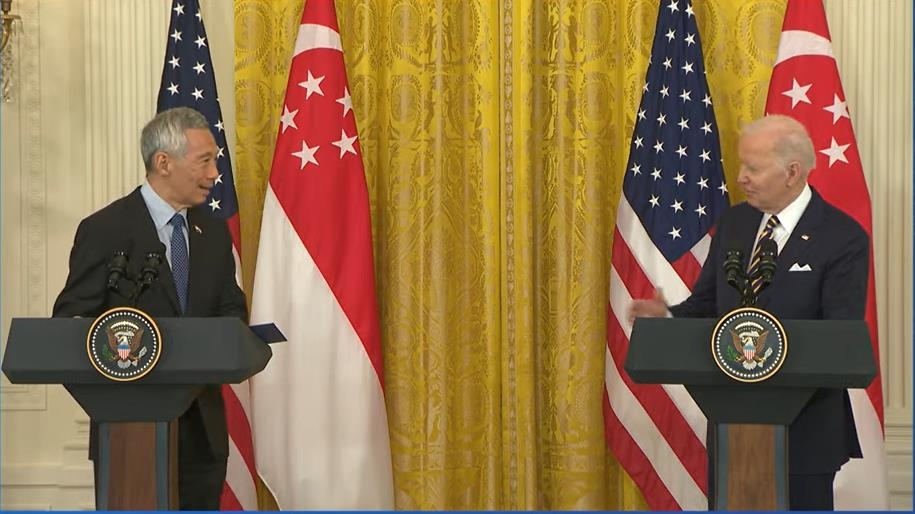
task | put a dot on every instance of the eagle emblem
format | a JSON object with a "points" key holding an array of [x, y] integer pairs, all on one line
{"points": [[124, 338], [749, 339]]}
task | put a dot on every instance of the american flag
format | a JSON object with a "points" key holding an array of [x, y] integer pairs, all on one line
{"points": [[188, 81], [673, 192]]}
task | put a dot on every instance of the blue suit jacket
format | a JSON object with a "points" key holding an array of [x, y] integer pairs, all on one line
{"points": [[823, 437]]}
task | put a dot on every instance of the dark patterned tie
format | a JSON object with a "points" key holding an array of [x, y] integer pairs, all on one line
{"points": [[179, 259], [756, 283]]}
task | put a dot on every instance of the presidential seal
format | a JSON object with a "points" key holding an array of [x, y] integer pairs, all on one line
{"points": [[124, 344], [749, 344]]}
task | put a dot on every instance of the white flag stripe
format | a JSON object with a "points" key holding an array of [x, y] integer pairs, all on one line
{"points": [[795, 43], [650, 259], [238, 475], [700, 251], [243, 393], [645, 433], [318, 456], [312, 36], [871, 469], [619, 302]]}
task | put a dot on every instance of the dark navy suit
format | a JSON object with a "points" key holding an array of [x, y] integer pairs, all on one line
{"points": [[126, 225], [835, 247]]}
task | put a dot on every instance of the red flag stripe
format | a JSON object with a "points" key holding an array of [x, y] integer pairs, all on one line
{"points": [[228, 501], [239, 427]]}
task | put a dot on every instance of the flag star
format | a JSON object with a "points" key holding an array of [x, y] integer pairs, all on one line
{"points": [[673, 6], [700, 210], [707, 100], [662, 119], [707, 127], [312, 85], [681, 151], [638, 142], [199, 68], [218, 179], [176, 35], [641, 114], [219, 152], [198, 94], [654, 201], [690, 38], [664, 92], [839, 109], [346, 101], [797, 93], [658, 147], [214, 205], [689, 9], [685, 96], [705, 155], [667, 63], [218, 125], [656, 173], [677, 205], [645, 87], [688, 67], [345, 144], [201, 42], [680, 178], [288, 119], [636, 169], [674, 232], [198, 16], [684, 124], [703, 183], [306, 155], [723, 188], [173, 88], [836, 152], [179, 9], [671, 34], [174, 61]]}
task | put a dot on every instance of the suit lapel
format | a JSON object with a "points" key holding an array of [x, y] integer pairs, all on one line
{"points": [[146, 238], [196, 247]]}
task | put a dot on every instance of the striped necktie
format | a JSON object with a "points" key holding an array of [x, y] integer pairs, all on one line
{"points": [[179, 263], [766, 233]]}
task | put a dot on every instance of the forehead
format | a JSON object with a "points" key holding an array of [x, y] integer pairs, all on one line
{"points": [[200, 140]]}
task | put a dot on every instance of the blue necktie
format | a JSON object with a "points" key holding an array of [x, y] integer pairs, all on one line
{"points": [[179, 259]]}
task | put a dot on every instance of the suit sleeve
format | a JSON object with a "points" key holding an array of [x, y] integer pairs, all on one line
{"points": [[84, 293], [844, 290], [232, 301]]}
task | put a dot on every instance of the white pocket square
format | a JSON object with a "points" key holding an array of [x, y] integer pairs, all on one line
{"points": [[798, 267]]}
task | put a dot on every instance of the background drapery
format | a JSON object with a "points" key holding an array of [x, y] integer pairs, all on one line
{"points": [[495, 136]]}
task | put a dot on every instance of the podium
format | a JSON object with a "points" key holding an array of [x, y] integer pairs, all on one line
{"points": [[137, 445], [749, 422]]}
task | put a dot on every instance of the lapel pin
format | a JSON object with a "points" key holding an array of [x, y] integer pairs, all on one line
{"points": [[196, 228], [805, 237]]}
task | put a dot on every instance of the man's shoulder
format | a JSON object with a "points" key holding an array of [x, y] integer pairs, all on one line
{"points": [[837, 219], [116, 212]]}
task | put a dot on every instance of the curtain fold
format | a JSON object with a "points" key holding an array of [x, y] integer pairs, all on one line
{"points": [[494, 135]]}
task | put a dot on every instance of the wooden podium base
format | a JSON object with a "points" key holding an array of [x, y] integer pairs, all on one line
{"points": [[138, 466], [749, 467]]}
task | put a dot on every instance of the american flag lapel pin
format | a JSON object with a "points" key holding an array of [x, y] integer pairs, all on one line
{"points": [[805, 237], [197, 229]]}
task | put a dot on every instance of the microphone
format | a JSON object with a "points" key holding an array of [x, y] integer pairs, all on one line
{"points": [[768, 265], [117, 269], [733, 269], [149, 273]]}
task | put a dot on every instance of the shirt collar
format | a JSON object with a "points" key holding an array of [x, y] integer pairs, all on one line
{"points": [[159, 209], [789, 217]]}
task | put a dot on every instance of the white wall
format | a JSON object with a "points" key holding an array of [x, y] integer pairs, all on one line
{"points": [[88, 77]]}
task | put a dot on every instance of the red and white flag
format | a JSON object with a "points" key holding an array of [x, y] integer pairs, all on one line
{"points": [[319, 419], [805, 85]]}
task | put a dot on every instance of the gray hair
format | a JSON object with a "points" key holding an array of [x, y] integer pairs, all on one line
{"points": [[792, 142], [166, 133]]}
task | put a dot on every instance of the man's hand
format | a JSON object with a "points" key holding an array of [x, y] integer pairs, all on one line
{"points": [[655, 307]]}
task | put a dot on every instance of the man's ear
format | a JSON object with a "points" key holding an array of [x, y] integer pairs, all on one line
{"points": [[794, 173], [160, 163]]}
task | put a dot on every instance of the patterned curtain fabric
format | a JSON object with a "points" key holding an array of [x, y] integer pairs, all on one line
{"points": [[495, 136]]}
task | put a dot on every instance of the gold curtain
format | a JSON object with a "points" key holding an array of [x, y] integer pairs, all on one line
{"points": [[495, 135]]}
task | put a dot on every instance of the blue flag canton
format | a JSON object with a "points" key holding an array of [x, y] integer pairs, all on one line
{"points": [[674, 177], [188, 81]]}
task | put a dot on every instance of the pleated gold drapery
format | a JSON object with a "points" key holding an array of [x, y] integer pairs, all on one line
{"points": [[495, 136]]}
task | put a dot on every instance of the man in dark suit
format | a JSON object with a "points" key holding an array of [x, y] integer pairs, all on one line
{"points": [[822, 274], [164, 214]]}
